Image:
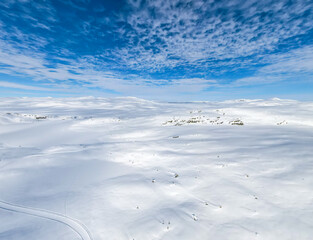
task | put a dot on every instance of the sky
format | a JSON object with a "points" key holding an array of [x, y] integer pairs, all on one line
{"points": [[157, 49]]}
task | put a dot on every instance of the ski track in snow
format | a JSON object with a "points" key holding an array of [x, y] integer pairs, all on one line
{"points": [[74, 224]]}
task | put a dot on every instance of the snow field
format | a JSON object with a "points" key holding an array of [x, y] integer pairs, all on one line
{"points": [[129, 169]]}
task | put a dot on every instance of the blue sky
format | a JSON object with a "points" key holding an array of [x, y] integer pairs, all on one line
{"points": [[163, 50]]}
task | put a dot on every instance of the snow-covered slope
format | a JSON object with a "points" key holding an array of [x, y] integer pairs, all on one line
{"points": [[126, 168]]}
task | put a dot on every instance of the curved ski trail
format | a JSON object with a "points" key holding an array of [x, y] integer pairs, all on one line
{"points": [[74, 224]]}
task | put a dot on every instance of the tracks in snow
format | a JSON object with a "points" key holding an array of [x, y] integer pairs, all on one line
{"points": [[74, 224]]}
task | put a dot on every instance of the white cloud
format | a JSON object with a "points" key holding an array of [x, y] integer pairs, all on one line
{"points": [[295, 64], [24, 87], [168, 34], [296, 61]]}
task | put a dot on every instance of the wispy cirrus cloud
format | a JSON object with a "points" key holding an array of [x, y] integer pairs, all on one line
{"points": [[24, 87], [296, 61], [294, 65]]}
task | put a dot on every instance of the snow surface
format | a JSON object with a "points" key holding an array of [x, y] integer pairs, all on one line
{"points": [[126, 168]]}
